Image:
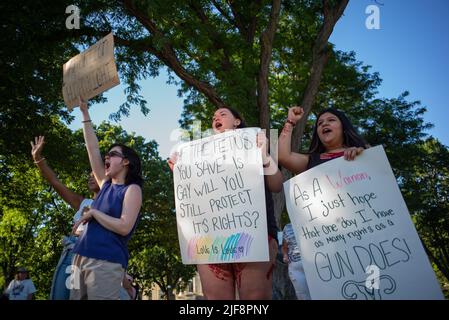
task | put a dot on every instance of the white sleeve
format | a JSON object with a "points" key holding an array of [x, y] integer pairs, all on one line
{"points": [[84, 203], [284, 232], [9, 288], [30, 287]]}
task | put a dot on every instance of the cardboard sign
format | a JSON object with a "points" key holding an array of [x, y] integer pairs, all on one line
{"points": [[90, 73], [220, 199], [355, 232]]}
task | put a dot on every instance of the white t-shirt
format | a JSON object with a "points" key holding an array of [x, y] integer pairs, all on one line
{"points": [[19, 290], [124, 295], [77, 216]]}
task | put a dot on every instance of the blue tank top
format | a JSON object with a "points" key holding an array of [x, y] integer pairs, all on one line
{"points": [[98, 242]]}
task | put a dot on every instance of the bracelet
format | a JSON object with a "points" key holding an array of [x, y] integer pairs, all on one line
{"points": [[40, 160], [291, 122], [84, 121]]}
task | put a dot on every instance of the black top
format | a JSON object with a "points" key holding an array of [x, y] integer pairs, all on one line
{"points": [[271, 220], [315, 159]]}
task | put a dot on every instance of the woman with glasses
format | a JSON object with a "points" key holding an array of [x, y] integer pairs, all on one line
{"points": [[101, 252], [59, 289]]}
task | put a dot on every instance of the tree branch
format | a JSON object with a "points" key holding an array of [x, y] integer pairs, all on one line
{"points": [[224, 14], [168, 56], [247, 30], [266, 40], [251, 31], [213, 35], [238, 19], [320, 56]]}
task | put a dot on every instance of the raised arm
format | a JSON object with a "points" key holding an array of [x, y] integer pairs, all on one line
{"points": [[292, 161], [130, 211], [93, 149], [72, 198]]}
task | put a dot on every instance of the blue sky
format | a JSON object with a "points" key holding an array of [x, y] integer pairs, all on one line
{"points": [[410, 51]]}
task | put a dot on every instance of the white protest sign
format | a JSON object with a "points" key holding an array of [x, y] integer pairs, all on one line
{"points": [[355, 232], [90, 73], [220, 199]]}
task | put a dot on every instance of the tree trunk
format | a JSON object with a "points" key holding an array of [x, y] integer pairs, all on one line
{"points": [[320, 57], [266, 40]]}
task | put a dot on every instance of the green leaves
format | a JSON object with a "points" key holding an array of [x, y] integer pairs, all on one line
{"points": [[33, 218]]}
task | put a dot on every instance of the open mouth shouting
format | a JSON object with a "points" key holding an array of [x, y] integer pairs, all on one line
{"points": [[107, 165], [326, 131], [91, 183], [218, 125]]}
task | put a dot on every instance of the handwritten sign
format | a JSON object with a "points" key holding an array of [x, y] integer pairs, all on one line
{"points": [[355, 232], [220, 199], [90, 73]]}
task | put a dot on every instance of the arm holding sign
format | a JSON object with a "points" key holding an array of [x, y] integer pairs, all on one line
{"points": [[172, 160], [251, 280], [92, 145], [273, 175], [351, 153]]}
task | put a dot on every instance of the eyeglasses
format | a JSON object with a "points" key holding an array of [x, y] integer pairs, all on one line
{"points": [[114, 153]]}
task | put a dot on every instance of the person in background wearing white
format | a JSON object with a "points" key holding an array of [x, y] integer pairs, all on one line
{"points": [[292, 256], [127, 291], [22, 287]]}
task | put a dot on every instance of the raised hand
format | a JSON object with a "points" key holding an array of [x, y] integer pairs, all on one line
{"points": [[172, 160], [36, 147], [295, 114]]}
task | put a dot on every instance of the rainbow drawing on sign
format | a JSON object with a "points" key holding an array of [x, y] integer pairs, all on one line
{"points": [[220, 249]]}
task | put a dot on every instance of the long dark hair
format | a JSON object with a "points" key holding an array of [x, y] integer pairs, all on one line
{"points": [[236, 115], [350, 136], [134, 174]]}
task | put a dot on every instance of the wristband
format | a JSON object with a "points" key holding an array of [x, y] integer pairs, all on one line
{"points": [[40, 160]]}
